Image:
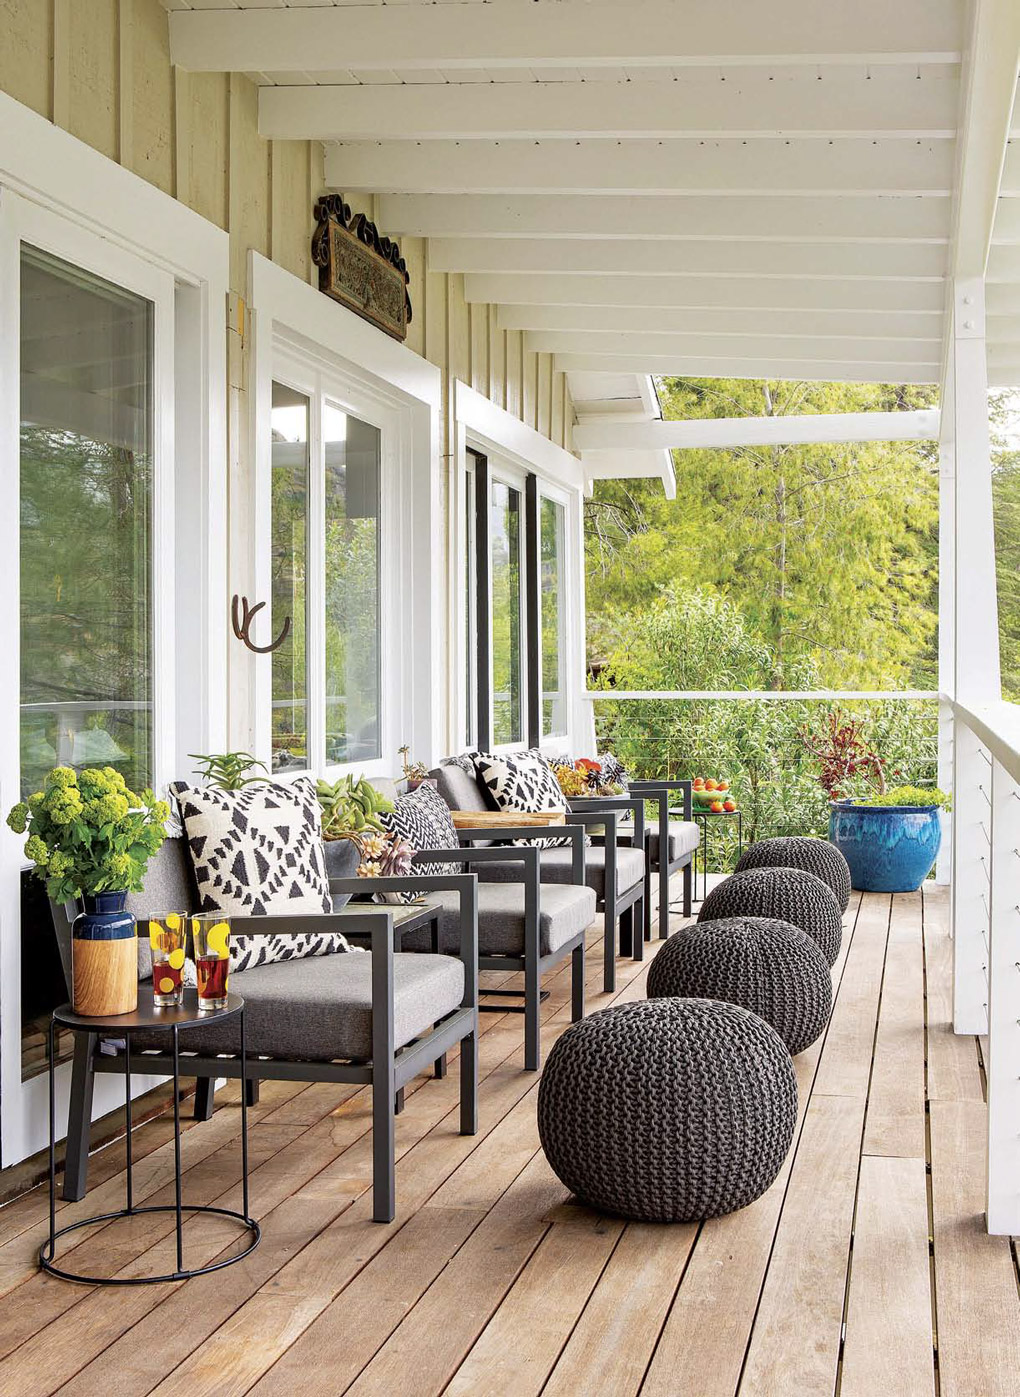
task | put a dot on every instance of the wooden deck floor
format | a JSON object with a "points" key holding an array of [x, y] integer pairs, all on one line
{"points": [[865, 1268]]}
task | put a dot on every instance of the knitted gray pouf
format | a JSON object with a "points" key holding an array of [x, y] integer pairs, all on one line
{"points": [[668, 1110], [815, 856], [786, 894], [772, 968]]}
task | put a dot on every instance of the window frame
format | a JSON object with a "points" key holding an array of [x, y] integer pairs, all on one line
{"points": [[567, 564]]}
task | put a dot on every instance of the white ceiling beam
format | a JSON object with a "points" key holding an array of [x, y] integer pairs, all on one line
{"points": [[758, 218], [843, 347], [641, 320], [566, 35], [840, 169], [567, 256], [697, 366], [549, 291], [889, 103], [988, 111], [757, 431]]}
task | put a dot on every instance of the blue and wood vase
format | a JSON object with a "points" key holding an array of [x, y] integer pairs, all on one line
{"points": [[104, 957], [890, 848]]}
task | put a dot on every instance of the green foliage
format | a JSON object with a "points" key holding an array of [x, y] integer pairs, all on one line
{"points": [[928, 796], [828, 552], [351, 806], [87, 833], [1004, 414], [229, 771]]}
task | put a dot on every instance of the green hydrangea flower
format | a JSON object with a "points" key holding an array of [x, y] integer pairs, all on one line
{"points": [[60, 864], [121, 867], [60, 778], [36, 850], [35, 802], [18, 818]]}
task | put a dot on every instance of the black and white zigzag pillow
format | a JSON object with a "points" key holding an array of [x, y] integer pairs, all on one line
{"points": [[522, 781], [423, 818], [246, 952], [256, 851], [613, 773]]}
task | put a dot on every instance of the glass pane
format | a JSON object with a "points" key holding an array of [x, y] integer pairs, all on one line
{"points": [[554, 705], [353, 458], [86, 523], [289, 563], [507, 660]]}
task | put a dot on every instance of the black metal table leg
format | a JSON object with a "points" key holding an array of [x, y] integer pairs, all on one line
{"points": [[128, 1122], [244, 1121], [53, 1138], [177, 1149]]}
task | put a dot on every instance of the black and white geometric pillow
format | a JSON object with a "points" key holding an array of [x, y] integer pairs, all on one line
{"points": [[248, 951], [522, 781], [256, 851], [613, 773], [423, 819]]}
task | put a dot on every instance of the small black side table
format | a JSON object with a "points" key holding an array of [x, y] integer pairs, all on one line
{"points": [[147, 1018], [703, 818]]}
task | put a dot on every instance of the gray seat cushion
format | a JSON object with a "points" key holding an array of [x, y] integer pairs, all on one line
{"points": [[684, 838], [564, 911], [557, 867], [320, 1009]]}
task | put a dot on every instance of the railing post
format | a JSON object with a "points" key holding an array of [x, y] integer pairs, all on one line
{"points": [[1003, 1066], [970, 883]]}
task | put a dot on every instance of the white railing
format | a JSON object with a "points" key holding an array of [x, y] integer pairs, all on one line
{"points": [[986, 929]]}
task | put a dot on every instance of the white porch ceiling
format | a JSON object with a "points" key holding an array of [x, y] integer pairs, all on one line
{"points": [[707, 187]]}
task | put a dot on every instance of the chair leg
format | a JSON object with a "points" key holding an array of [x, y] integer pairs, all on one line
{"points": [[688, 887], [468, 1084], [577, 983], [638, 923], [251, 1091], [646, 920], [384, 1184], [609, 948], [439, 1069], [663, 901], [532, 1015], [398, 1102], [205, 1091], [79, 1118]]}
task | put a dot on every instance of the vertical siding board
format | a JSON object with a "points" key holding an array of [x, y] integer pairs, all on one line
{"points": [[544, 417], [92, 51], [147, 99], [26, 53], [207, 127], [514, 371], [247, 181]]}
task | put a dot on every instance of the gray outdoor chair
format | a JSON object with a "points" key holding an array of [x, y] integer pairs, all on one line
{"points": [[377, 1020], [524, 922], [614, 870]]}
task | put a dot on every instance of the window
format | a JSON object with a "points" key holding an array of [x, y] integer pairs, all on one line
{"points": [[470, 617], [352, 463], [86, 526], [325, 526], [553, 616], [505, 541], [289, 552]]}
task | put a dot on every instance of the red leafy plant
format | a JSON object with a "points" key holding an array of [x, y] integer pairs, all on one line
{"points": [[845, 755]]}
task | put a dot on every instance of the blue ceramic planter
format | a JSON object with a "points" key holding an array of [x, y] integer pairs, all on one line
{"points": [[104, 957], [104, 918], [890, 849]]}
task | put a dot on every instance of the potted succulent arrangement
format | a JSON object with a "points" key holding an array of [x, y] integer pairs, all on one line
{"points": [[584, 777], [357, 841], [414, 772], [91, 839], [890, 836]]}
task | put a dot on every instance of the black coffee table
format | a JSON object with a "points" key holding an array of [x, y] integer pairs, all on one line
{"points": [[148, 1018]]}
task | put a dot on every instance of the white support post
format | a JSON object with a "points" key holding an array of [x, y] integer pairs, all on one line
{"points": [[1003, 1066], [969, 654]]}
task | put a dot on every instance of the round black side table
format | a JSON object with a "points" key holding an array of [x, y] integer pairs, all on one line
{"points": [[703, 817], [148, 1018]]}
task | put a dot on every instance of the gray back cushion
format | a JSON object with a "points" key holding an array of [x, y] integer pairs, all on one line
{"points": [[459, 789]]}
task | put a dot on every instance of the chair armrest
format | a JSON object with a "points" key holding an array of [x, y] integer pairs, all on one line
{"points": [[594, 804], [539, 835], [659, 790]]}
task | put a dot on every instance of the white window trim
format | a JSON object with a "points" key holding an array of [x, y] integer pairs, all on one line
{"points": [[511, 445], [301, 337], [570, 568], [504, 473], [48, 174]]}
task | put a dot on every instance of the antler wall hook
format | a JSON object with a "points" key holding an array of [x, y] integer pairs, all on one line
{"points": [[241, 624]]}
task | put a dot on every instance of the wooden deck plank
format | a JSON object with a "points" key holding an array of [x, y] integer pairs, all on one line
{"points": [[895, 1124], [615, 1337], [954, 1072], [703, 1344], [845, 1068], [796, 1337], [977, 1307], [889, 1346]]}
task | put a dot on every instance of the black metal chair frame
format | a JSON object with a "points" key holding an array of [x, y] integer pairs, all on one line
{"points": [[625, 907], [661, 791], [387, 1071], [533, 963]]}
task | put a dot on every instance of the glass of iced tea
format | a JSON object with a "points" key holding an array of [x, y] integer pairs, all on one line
{"points": [[211, 932], [166, 945]]}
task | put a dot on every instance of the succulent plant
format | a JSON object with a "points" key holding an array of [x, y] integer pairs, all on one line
{"points": [[351, 807], [229, 771]]}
